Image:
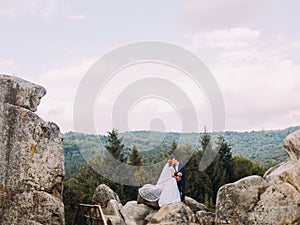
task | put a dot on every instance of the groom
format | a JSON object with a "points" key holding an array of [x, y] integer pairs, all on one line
{"points": [[180, 174]]}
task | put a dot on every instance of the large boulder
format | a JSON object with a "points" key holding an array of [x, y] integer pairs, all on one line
{"points": [[279, 204], [19, 92], [176, 213], [31, 158], [194, 205], [292, 146], [234, 201], [110, 204], [288, 171], [273, 200], [135, 214], [205, 218], [103, 194]]}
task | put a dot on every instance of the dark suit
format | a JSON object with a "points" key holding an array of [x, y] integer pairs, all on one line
{"points": [[181, 183]]}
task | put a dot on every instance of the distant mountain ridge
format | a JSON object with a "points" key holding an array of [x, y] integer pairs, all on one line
{"points": [[261, 146]]}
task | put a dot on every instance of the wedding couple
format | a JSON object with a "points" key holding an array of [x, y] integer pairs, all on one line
{"points": [[170, 186]]}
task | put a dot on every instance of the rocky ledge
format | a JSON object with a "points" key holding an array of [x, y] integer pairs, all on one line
{"points": [[31, 158], [134, 213], [273, 199]]}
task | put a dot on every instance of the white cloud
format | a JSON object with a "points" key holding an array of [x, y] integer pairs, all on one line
{"points": [[76, 17], [234, 38], [6, 63], [15, 7], [258, 76], [216, 14], [240, 45]]}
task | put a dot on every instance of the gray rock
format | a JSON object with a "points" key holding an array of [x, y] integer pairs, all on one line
{"points": [[176, 213], [113, 208], [103, 194], [292, 146], [112, 213], [114, 220], [277, 205], [235, 200], [205, 218], [273, 200], [19, 92], [289, 170], [31, 158], [194, 205], [135, 214], [110, 204]]}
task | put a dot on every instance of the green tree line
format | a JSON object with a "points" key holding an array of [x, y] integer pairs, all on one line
{"points": [[263, 146]]}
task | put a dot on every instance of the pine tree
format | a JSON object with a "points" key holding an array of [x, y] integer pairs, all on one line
{"points": [[220, 170], [134, 157], [173, 148], [205, 140], [226, 158], [114, 145]]}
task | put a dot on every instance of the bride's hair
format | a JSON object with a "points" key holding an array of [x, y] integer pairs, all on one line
{"points": [[170, 162]]}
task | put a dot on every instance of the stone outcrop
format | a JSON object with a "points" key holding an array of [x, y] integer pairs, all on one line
{"points": [[194, 205], [176, 213], [18, 92], [273, 200], [205, 217], [135, 214], [31, 158], [110, 204], [103, 194]]}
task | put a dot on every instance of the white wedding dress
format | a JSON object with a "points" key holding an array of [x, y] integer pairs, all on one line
{"points": [[165, 191]]}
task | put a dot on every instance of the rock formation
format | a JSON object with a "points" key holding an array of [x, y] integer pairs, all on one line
{"points": [[134, 213], [272, 200], [31, 158], [194, 205], [176, 213], [110, 204]]}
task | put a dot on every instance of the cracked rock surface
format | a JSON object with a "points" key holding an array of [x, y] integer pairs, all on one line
{"points": [[31, 158], [272, 200]]}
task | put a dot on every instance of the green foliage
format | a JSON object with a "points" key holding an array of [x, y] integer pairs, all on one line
{"points": [[225, 168], [172, 148], [205, 140], [259, 146], [198, 183], [134, 157], [114, 145]]}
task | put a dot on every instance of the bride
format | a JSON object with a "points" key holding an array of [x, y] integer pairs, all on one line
{"points": [[165, 191]]}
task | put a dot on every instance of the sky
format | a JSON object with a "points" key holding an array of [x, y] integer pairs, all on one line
{"points": [[251, 48]]}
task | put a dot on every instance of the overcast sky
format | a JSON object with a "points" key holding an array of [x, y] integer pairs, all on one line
{"points": [[252, 48]]}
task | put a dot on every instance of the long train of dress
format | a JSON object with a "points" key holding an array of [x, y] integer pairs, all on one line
{"points": [[165, 191]]}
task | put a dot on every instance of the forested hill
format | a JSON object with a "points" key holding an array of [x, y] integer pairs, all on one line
{"points": [[260, 146]]}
